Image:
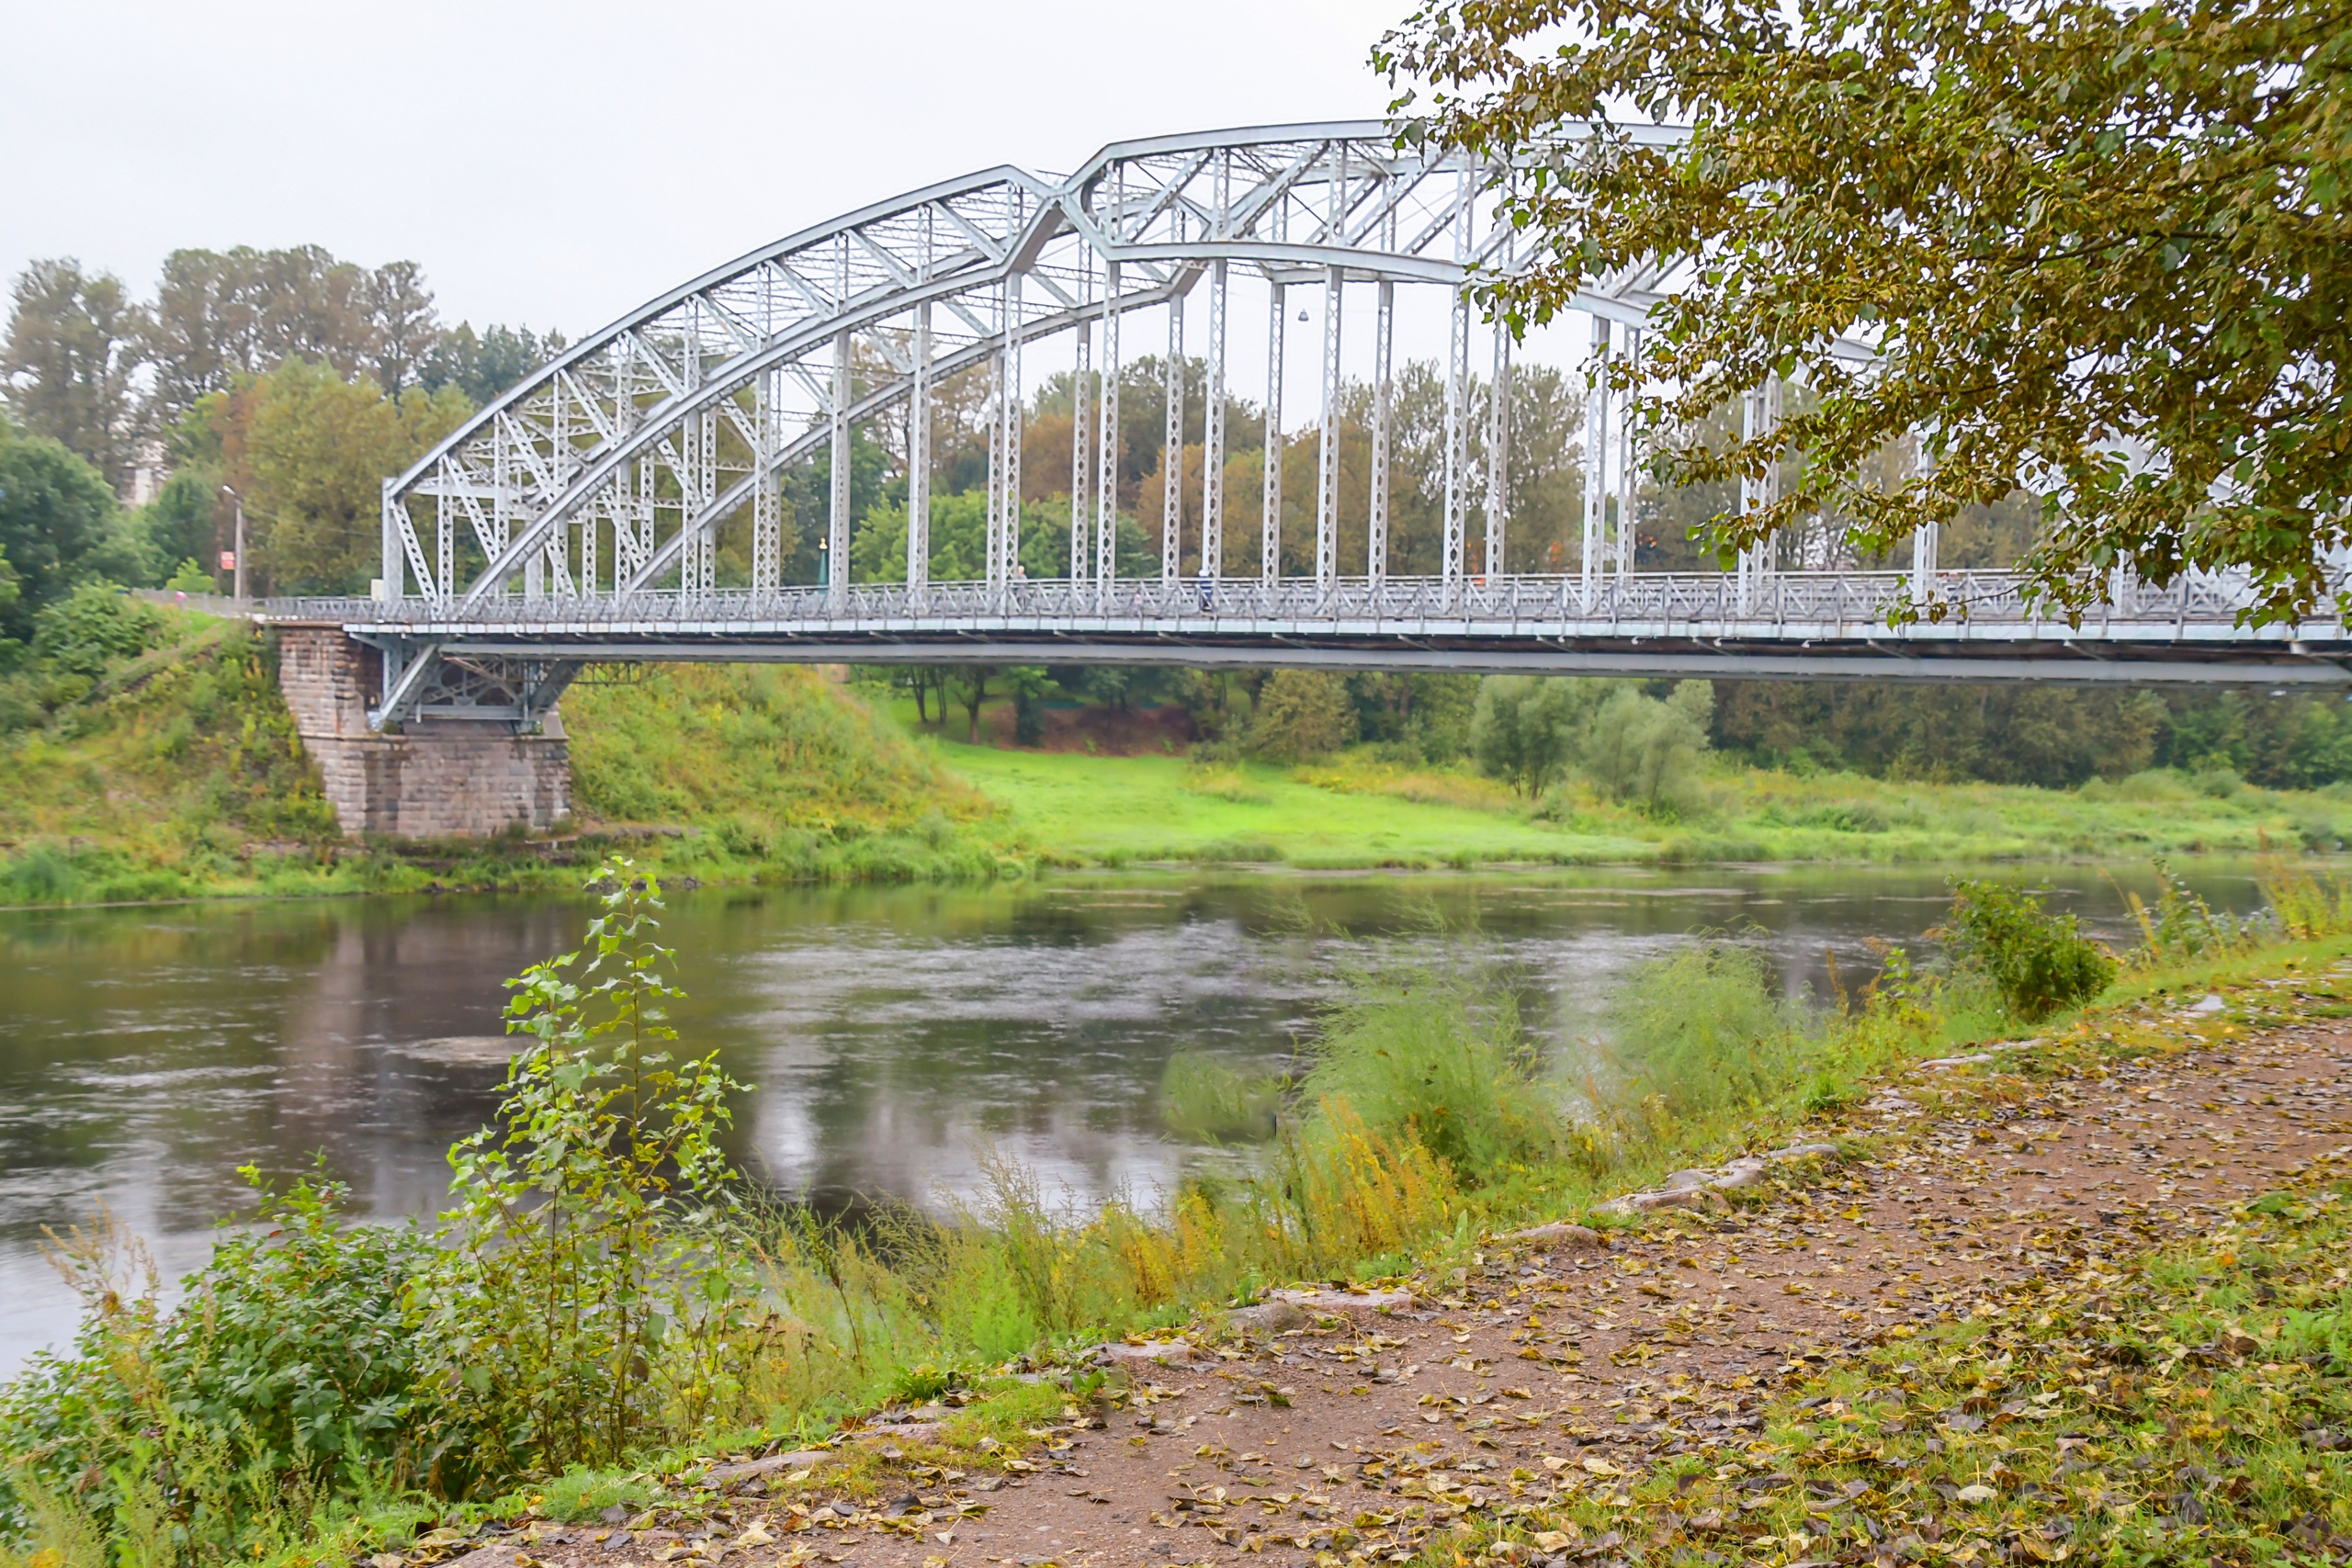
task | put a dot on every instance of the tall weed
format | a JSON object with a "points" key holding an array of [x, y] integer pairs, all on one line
{"points": [[1429, 1055], [1699, 1029]]}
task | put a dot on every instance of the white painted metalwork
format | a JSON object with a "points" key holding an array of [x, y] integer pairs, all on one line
{"points": [[1629, 442], [919, 459], [594, 493], [1171, 450], [1327, 451], [1595, 458], [1384, 348], [1213, 432], [1760, 417], [1498, 455], [1106, 446], [1270, 525]]}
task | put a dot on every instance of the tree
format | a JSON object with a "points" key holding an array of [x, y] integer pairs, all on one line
{"points": [[483, 367], [1645, 752], [2033, 734], [1303, 714], [400, 309], [181, 522], [222, 315], [972, 683], [68, 361], [309, 451], [1526, 729], [57, 525], [2103, 251], [959, 525]]}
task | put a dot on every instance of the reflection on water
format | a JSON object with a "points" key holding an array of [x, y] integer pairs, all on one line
{"points": [[893, 1034]]}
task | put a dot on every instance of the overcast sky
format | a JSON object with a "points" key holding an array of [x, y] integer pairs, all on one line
{"points": [[553, 164]]}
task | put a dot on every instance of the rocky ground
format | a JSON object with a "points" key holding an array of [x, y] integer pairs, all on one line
{"points": [[1344, 1429]]}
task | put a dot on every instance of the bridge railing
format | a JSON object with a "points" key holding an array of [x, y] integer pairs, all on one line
{"points": [[1857, 600]]}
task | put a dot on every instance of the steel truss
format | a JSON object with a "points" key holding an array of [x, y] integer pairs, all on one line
{"points": [[594, 496], [616, 467]]}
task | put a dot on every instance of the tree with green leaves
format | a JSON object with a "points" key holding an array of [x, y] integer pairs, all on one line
{"points": [[1647, 752], [2102, 252], [221, 316], [59, 526], [483, 365], [309, 451], [580, 1286], [1302, 714], [68, 362], [1527, 728]]}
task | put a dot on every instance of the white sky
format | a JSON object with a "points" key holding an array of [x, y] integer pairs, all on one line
{"points": [[554, 165]]}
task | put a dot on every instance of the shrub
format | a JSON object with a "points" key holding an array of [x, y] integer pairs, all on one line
{"points": [[581, 1306], [2036, 961], [1302, 714], [1526, 729], [94, 627], [1645, 752], [284, 1376]]}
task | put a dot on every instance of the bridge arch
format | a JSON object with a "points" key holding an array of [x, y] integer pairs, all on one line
{"points": [[614, 468]]}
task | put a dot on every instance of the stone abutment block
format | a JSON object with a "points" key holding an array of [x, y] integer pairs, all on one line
{"points": [[439, 778]]}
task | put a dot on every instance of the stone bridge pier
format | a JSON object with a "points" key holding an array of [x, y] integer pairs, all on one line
{"points": [[438, 778]]}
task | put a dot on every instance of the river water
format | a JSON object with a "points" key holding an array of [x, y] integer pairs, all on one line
{"points": [[893, 1035]]}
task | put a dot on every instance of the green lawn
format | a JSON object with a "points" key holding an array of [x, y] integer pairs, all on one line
{"points": [[1081, 809], [1113, 810]]}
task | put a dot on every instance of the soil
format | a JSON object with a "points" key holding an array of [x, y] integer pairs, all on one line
{"points": [[1356, 1438], [1110, 732]]}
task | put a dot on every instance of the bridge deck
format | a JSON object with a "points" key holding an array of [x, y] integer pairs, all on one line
{"points": [[1836, 626]]}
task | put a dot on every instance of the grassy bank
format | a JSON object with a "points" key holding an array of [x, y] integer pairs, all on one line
{"points": [[168, 767], [153, 758], [1358, 810], [583, 1324]]}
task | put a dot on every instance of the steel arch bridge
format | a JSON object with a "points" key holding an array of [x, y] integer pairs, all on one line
{"points": [[577, 517]]}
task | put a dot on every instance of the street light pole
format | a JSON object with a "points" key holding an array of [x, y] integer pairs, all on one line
{"points": [[240, 546]]}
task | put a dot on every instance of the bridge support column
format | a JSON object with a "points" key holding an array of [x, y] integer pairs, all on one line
{"points": [[442, 778]]}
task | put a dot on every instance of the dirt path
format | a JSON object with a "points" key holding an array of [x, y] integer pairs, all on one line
{"points": [[1356, 1441]]}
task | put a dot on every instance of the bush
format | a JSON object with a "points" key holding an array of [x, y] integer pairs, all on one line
{"points": [[286, 1375], [1647, 752], [581, 1306], [1302, 714], [1526, 729], [94, 626], [2036, 961]]}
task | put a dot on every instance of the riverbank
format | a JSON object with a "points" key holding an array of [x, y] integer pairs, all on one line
{"points": [[1406, 1176], [163, 765], [1359, 811], [170, 770]]}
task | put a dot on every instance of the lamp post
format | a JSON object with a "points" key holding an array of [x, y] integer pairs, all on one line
{"points": [[240, 546]]}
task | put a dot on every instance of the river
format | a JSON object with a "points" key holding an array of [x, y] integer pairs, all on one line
{"points": [[892, 1035]]}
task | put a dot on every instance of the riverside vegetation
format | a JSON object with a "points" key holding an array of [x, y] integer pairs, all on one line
{"points": [[605, 1298], [145, 753], [151, 756]]}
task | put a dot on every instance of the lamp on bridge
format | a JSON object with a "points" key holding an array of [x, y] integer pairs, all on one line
{"points": [[237, 561], [824, 564]]}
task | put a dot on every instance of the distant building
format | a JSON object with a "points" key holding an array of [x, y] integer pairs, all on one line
{"points": [[150, 466]]}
